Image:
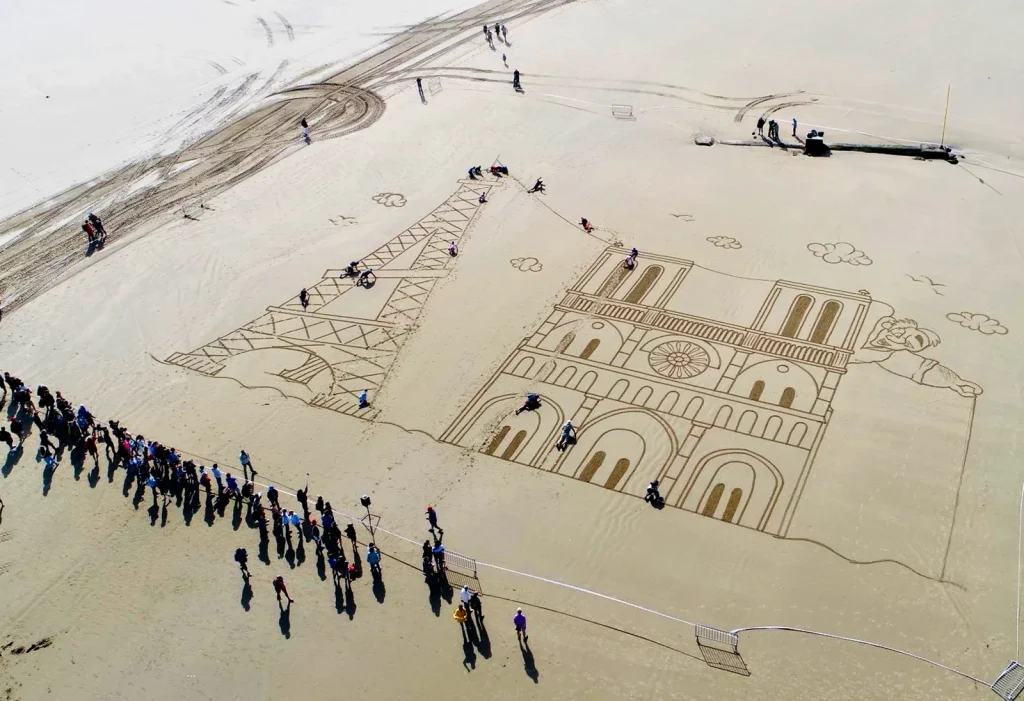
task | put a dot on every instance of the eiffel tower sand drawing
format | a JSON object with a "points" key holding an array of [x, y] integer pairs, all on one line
{"points": [[346, 340]]}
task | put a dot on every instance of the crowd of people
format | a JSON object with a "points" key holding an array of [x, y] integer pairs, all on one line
{"points": [[171, 477]]}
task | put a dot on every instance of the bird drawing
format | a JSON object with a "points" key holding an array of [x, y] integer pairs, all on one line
{"points": [[925, 280]]}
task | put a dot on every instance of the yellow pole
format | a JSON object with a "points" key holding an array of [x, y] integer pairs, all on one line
{"points": [[945, 116]]}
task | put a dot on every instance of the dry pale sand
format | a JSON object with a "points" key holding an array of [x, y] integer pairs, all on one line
{"points": [[884, 508]]}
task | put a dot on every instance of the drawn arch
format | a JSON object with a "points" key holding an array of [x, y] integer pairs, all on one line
{"points": [[746, 423], [587, 381], [757, 480], [643, 395], [642, 286], [595, 340], [523, 367], [565, 377], [480, 428], [693, 408], [645, 463], [772, 427], [668, 402], [618, 389]]}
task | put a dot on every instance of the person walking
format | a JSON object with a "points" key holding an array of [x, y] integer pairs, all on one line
{"points": [[477, 606], [272, 496], [242, 558], [373, 558], [760, 126], [89, 231], [432, 520], [462, 615], [280, 588], [246, 461], [304, 298], [465, 595], [504, 33], [364, 399], [218, 476], [520, 623], [419, 89], [5, 437], [794, 126], [305, 132]]}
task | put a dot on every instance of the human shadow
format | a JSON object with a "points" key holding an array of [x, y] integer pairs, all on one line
{"points": [[163, 514], [479, 637], [209, 516], [300, 552], [13, 456], [379, 590], [112, 468], [350, 603], [468, 654], [94, 476], [529, 665], [77, 459], [140, 494], [236, 515], [264, 551], [285, 619], [246, 592], [289, 554], [339, 597], [434, 596], [321, 566]]}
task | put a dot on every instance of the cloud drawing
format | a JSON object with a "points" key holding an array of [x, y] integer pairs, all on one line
{"points": [[841, 252], [527, 265], [390, 199], [724, 242], [982, 323]]}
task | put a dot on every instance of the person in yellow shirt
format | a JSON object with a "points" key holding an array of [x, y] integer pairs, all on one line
{"points": [[462, 615]]}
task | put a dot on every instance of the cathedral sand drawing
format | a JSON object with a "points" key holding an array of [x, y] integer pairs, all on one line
{"points": [[816, 358]]}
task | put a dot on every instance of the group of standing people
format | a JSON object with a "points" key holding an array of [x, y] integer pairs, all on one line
{"points": [[94, 229], [163, 470]]}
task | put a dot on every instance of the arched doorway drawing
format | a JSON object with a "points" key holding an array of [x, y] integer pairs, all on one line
{"points": [[623, 450], [735, 486]]}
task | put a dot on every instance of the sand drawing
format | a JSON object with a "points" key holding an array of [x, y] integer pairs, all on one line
{"points": [[346, 340], [342, 220], [841, 252], [390, 199], [925, 280], [982, 323], [724, 242], [527, 265], [726, 407], [684, 217]]}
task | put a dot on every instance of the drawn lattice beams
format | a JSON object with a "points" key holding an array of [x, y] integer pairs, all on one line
{"points": [[407, 301], [358, 350]]}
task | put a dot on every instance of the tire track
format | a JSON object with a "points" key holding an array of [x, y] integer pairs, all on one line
{"points": [[267, 31], [760, 101], [287, 26], [49, 245]]}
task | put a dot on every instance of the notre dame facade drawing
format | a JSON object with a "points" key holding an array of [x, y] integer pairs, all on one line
{"points": [[718, 386]]}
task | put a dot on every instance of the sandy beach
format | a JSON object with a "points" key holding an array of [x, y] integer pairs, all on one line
{"points": [[811, 355]]}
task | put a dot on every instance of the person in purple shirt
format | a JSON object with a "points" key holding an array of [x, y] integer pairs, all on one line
{"points": [[520, 622]]}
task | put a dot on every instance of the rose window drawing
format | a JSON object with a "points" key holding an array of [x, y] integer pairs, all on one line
{"points": [[679, 359]]}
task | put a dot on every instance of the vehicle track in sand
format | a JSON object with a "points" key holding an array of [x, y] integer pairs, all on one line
{"points": [[48, 243]]}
